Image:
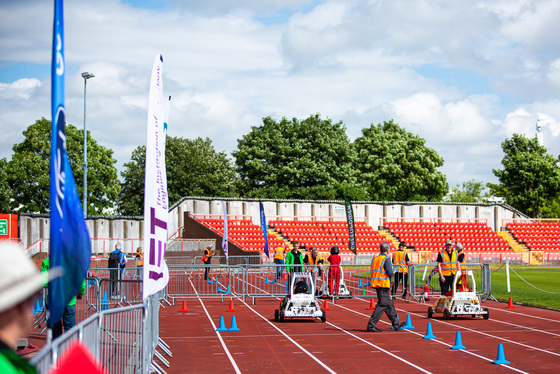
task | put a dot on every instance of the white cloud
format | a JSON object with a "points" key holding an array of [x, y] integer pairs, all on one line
{"points": [[228, 64]]}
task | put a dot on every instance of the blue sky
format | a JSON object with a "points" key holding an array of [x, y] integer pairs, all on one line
{"points": [[462, 75]]}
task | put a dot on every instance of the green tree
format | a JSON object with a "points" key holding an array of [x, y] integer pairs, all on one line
{"points": [[470, 192], [28, 170], [5, 190], [194, 168], [309, 159], [396, 165], [530, 179]]}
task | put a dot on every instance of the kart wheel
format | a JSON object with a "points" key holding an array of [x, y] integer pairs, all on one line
{"points": [[324, 317], [281, 316], [487, 315], [276, 313], [349, 294], [446, 313], [430, 312], [473, 316]]}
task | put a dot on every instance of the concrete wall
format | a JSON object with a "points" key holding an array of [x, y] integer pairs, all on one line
{"points": [[32, 228]]}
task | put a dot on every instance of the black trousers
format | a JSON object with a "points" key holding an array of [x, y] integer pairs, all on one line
{"points": [[446, 286], [397, 280], [384, 305]]}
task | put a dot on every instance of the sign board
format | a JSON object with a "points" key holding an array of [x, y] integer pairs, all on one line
{"points": [[3, 227]]}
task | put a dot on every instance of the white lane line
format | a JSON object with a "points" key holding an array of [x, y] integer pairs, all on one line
{"points": [[437, 341], [486, 334], [379, 348], [502, 322], [293, 341], [347, 332], [523, 314], [224, 346]]}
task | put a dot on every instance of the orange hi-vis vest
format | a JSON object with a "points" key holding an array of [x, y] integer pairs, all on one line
{"points": [[449, 264], [463, 267], [279, 254], [206, 255], [139, 259], [314, 261], [379, 278], [399, 259]]}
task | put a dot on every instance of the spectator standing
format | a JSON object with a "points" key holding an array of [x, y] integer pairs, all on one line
{"points": [[139, 263], [20, 283], [381, 273], [334, 271], [461, 258], [117, 263], [69, 314], [313, 258], [447, 266], [294, 257], [207, 259], [279, 257], [401, 262]]}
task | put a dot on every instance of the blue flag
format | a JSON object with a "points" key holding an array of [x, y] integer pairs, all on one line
{"points": [[70, 247], [263, 226]]}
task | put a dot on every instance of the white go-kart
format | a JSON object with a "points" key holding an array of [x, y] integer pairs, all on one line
{"points": [[462, 301], [301, 301]]}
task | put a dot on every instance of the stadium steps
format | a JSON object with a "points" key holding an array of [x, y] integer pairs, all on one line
{"points": [[517, 247], [272, 231], [386, 234]]}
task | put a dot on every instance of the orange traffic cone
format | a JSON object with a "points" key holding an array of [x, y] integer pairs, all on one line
{"points": [[326, 305], [371, 304], [510, 304], [184, 309], [231, 308]]}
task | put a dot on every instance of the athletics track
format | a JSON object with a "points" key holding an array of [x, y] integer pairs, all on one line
{"points": [[530, 338]]}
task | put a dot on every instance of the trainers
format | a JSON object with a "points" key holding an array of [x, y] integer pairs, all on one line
{"points": [[374, 329]]}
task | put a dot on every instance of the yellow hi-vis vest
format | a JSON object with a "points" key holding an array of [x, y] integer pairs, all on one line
{"points": [[399, 259], [463, 267], [279, 254], [379, 278], [449, 264]]}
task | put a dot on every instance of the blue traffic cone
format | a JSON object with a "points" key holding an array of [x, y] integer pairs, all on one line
{"points": [[501, 359], [286, 286], [458, 341], [36, 308], [408, 324], [222, 326], [360, 282], [233, 324], [266, 281], [429, 334], [105, 301], [366, 284]]}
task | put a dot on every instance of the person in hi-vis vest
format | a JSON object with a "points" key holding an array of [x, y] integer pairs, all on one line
{"points": [[401, 262], [447, 266], [381, 273], [207, 259]]}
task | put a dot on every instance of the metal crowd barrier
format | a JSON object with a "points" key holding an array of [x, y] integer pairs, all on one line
{"points": [[123, 340]]}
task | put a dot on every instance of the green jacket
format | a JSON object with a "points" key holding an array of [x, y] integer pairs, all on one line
{"points": [[290, 260], [11, 363], [45, 267]]}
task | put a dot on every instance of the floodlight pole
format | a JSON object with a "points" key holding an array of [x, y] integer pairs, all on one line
{"points": [[86, 76]]}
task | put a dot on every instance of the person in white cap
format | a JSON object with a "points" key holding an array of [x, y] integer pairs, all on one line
{"points": [[20, 282]]}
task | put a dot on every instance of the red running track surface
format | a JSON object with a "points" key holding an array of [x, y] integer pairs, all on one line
{"points": [[530, 338]]}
